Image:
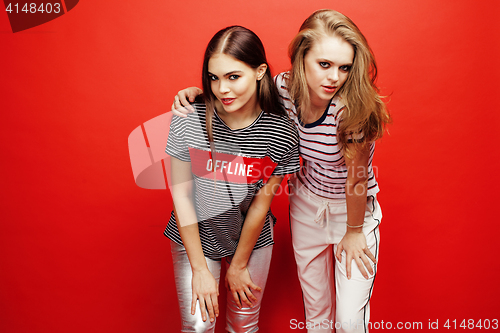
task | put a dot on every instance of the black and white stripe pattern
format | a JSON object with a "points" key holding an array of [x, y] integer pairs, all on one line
{"points": [[323, 169], [221, 206]]}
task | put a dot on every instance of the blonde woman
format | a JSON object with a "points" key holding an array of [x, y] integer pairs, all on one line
{"points": [[331, 96]]}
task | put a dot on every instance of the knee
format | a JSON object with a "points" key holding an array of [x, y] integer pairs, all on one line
{"points": [[243, 321], [194, 324]]}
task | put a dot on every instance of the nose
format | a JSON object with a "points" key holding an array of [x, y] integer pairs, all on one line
{"points": [[333, 74], [223, 87]]}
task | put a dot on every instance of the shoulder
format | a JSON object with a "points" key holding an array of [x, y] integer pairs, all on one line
{"points": [[280, 127], [337, 108], [281, 80], [193, 120], [279, 120], [282, 141], [199, 111], [198, 114]]}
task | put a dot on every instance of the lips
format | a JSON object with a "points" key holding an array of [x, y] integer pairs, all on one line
{"points": [[329, 89], [227, 101]]}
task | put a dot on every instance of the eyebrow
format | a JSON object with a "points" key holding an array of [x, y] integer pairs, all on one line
{"points": [[228, 74], [332, 62]]}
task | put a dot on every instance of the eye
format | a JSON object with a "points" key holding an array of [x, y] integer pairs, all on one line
{"points": [[233, 77], [212, 77], [345, 68], [324, 64]]}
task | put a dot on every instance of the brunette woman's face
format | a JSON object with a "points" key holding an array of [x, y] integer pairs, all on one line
{"points": [[234, 83], [327, 65]]}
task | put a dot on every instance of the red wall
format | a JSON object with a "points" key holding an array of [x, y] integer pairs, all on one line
{"points": [[81, 246]]}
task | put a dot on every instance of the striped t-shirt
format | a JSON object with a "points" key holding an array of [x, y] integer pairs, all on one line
{"points": [[244, 160], [323, 170]]}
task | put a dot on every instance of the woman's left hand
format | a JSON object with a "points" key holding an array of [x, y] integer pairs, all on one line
{"points": [[239, 283], [354, 245]]}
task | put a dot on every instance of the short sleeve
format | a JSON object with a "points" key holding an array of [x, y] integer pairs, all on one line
{"points": [[353, 136], [176, 143], [290, 161], [286, 101]]}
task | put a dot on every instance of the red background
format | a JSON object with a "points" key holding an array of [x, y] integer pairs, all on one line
{"points": [[81, 245]]}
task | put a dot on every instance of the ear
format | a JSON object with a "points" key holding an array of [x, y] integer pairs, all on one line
{"points": [[261, 71]]}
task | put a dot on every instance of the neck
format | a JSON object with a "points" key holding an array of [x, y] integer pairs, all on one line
{"points": [[318, 106], [238, 119], [314, 111]]}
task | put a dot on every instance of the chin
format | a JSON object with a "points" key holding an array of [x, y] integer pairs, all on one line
{"points": [[324, 96], [327, 98], [230, 109]]}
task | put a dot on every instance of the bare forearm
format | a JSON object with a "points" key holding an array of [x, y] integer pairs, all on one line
{"points": [[191, 240], [254, 221], [252, 228], [356, 203], [185, 212], [356, 189]]}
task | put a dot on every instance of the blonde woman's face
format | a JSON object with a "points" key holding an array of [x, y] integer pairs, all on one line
{"points": [[327, 65]]}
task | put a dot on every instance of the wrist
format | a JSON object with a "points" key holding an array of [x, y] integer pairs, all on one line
{"points": [[237, 266], [199, 268], [354, 228]]}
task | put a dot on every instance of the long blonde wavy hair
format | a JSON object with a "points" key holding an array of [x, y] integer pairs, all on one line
{"points": [[364, 111]]}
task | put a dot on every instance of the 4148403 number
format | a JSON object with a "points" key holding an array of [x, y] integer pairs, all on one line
{"points": [[34, 8]]}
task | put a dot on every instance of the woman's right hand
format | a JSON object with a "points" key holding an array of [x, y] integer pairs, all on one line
{"points": [[181, 106], [206, 290]]}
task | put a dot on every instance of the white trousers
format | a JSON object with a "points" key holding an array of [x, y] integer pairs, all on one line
{"points": [[318, 224], [244, 320]]}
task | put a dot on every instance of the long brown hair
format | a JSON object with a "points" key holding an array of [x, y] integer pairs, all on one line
{"points": [[243, 45], [364, 111]]}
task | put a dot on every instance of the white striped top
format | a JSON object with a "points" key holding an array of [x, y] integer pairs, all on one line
{"points": [[244, 159], [323, 169]]}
